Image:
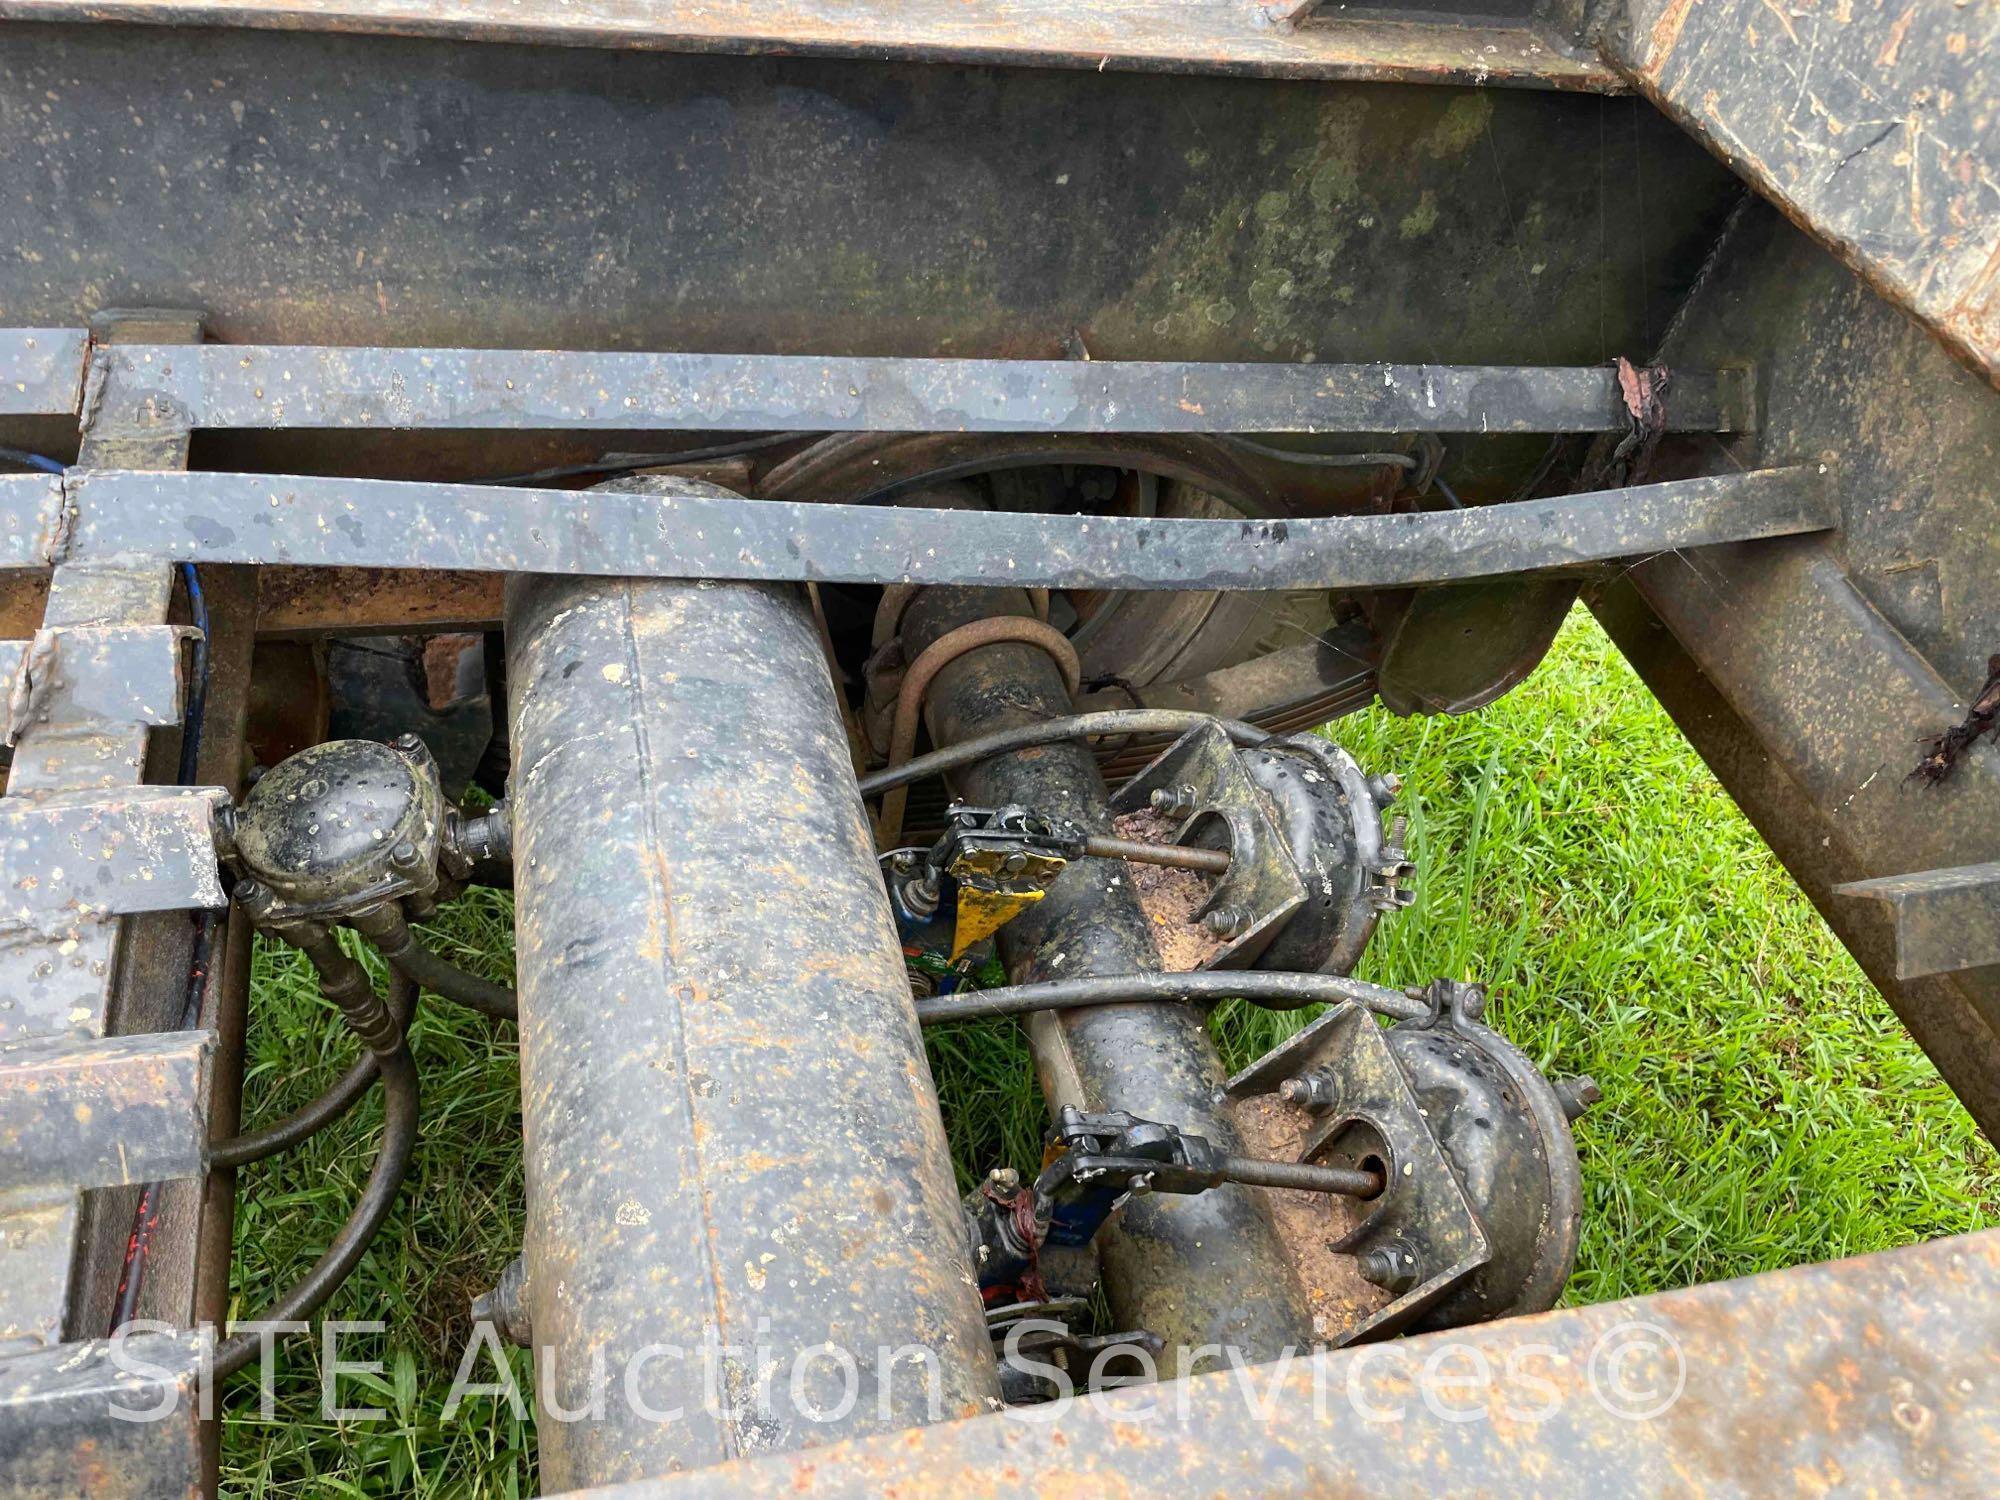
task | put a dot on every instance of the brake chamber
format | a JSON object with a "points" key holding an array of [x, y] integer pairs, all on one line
{"points": [[722, 980]]}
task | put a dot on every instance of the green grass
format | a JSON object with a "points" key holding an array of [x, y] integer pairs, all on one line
{"points": [[1762, 1105]]}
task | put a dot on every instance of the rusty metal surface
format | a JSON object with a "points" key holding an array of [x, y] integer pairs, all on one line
{"points": [[1838, 699], [90, 975], [361, 601], [1875, 127], [59, 1433], [732, 1137], [1816, 667], [29, 506], [24, 596], [1878, 1375], [283, 387], [70, 858], [387, 190], [102, 1112], [41, 370], [1946, 920], [678, 529], [84, 675], [1196, 36]]}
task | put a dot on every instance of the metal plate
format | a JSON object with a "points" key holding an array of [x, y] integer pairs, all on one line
{"points": [[675, 529], [29, 506], [1425, 1211], [280, 387], [104, 1112], [1200, 36], [91, 675], [1262, 880], [76, 855], [41, 371]]}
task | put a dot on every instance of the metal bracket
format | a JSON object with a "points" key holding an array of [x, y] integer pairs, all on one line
{"points": [[1946, 920], [1423, 1230], [1200, 778]]}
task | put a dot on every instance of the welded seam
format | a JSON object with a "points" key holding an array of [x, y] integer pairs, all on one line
{"points": [[654, 865]]}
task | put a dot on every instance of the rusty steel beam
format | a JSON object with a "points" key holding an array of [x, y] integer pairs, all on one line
{"points": [[1878, 1375], [1876, 128], [668, 528], [365, 601], [287, 387], [304, 602], [1252, 37]]}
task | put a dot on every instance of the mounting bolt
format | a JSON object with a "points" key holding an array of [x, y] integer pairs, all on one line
{"points": [[1385, 788], [1313, 1090], [1576, 1095], [404, 856], [254, 897], [1391, 1265], [1175, 802], [1003, 1182], [1227, 921]]}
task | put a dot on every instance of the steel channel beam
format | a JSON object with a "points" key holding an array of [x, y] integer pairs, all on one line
{"points": [[279, 387], [1834, 699], [1876, 128], [1872, 1376], [1191, 36], [731, 1130], [671, 528], [41, 371], [104, 1112], [1201, 1271]]}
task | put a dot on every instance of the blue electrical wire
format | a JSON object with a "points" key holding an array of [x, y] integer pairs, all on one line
{"points": [[29, 460], [197, 703]]}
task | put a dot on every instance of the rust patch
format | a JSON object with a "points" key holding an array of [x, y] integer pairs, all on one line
{"points": [[1666, 34], [1886, 58], [1308, 1225], [1171, 899], [441, 658]]}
